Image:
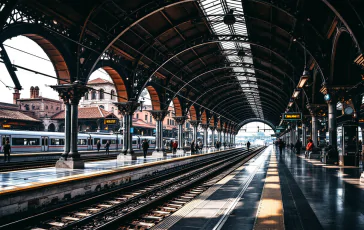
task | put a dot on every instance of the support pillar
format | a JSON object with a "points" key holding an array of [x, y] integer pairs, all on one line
{"points": [[314, 130], [212, 136], [304, 135], [159, 116], [180, 122], [205, 136], [194, 124], [71, 95], [332, 124], [127, 109]]}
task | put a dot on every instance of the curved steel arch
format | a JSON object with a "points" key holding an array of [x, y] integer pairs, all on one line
{"points": [[221, 84], [257, 120], [216, 39], [269, 106], [25, 29], [210, 70], [140, 14], [260, 92]]}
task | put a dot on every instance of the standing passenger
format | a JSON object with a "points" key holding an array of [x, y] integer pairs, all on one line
{"points": [[280, 145], [98, 145], [193, 147], [107, 148], [7, 150], [145, 147], [174, 146], [248, 145]]}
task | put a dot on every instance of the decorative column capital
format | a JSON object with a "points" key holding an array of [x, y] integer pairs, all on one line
{"points": [[194, 123], [71, 93], [128, 107], [213, 128], [180, 120], [205, 126], [159, 115]]}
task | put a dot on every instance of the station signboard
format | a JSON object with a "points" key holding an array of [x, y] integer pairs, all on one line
{"points": [[110, 121], [292, 116], [6, 126]]}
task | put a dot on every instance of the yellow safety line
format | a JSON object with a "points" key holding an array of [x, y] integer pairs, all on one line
{"points": [[270, 211]]}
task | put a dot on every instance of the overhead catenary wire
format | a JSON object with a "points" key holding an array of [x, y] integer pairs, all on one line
{"points": [[47, 75]]}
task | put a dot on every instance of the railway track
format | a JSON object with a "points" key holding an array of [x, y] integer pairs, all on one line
{"points": [[110, 209], [21, 165]]}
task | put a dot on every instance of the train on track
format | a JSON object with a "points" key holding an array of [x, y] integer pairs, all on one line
{"points": [[36, 141]]}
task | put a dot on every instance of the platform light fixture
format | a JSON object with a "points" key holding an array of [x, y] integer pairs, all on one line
{"points": [[296, 93], [290, 103], [229, 18], [303, 79]]}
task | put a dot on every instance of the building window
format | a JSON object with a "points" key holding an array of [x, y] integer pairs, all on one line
{"points": [[93, 95], [146, 117], [86, 96], [137, 116], [57, 108], [51, 106], [102, 107], [112, 109], [151, 119], [101, 94], [46, 106], [112, 94]]}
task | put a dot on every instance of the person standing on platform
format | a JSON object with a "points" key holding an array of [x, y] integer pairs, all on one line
{"points": [[193, 147], [309, 148], [248, 145], [174, 146], [145, 147], [298, 147], [7, 150], [280, 146], [98, 145], [171, 145], [107, 148]]}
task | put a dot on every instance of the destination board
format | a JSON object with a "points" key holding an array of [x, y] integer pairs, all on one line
{"points": [[292, 116], [110, 121]]}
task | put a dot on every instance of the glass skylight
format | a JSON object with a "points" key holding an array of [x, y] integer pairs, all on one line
{"points": [[214, 11]]}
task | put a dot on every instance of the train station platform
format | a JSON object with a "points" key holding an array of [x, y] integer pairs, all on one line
{"points": [[23, 189], [275, 191]]}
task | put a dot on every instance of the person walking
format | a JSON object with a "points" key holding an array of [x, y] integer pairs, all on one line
{"points": [[174, 146], [7, 150], [145, 147], [248, 145], [280, 146], [98, 145], [107, 148], [298, 146], [193, 147]]}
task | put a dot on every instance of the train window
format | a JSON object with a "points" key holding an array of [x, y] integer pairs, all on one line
{"points": [[152, 141], [134, 142], [121, 141], [96, 140], [113, 141], [55, 141], [81, 142], [104, 141], [25, 141]]}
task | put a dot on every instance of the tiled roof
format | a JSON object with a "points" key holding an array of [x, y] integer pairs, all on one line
{"points": [[15, 115], [142, 124], [98, 81], [87, 113]]}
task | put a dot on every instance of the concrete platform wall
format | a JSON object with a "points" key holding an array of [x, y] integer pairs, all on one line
{"points": [[54, 193]]}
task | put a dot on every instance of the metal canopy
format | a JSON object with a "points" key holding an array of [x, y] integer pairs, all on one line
{"points": [[186, 47]]}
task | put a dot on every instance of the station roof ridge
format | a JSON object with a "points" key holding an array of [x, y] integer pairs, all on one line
{"points": [[87, 113], [16, 115], [99, 81]]}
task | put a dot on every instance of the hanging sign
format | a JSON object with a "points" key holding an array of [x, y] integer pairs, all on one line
{"points": [[132, 130], [110, 121], [292, 116], [280, 127]]}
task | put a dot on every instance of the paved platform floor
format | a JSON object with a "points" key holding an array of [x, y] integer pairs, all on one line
{"points": [[278, 192], [24, 178]]}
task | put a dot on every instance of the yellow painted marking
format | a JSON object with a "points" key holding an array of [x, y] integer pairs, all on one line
{"points": [[270, 211]]}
